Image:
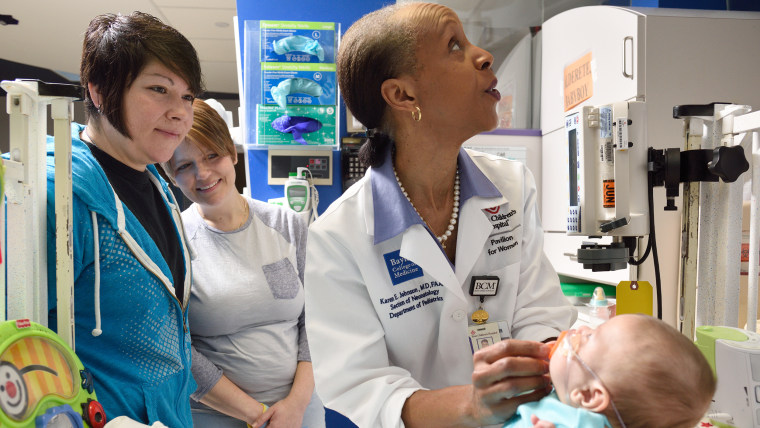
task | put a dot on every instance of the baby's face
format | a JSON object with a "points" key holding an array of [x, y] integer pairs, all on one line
{"points": [[598, 348], [564, 368]]}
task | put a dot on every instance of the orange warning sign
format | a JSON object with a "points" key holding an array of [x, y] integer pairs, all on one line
{"points": [[608, 193], [578, 82]]}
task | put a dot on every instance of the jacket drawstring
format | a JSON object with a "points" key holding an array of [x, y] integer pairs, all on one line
{"points": [[96, 251], [137, 251]]}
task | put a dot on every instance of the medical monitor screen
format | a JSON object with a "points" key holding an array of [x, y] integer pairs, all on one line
{"points": [[572, 170]]}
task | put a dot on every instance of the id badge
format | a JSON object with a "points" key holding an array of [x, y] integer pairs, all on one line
{"points": [[483, 335], [482, 286]]}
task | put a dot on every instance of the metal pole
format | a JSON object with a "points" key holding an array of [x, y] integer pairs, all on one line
{"points": [[706, 296], [754, 236], [27, 201], [730, 248], [62, 113], [693, 129]]}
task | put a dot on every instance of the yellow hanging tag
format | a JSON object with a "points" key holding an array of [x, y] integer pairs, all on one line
{"points": [[634, 297]]}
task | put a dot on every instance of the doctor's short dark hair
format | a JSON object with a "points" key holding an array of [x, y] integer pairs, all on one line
{"points": [[115, 50], [380, 46]]}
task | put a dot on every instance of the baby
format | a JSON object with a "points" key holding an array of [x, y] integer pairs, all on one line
{"points": [[632, 371]]}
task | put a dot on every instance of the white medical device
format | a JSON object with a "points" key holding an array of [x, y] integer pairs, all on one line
{"points": [[297, 191], [607, 170], [608, 158], [601, 55], [734, 354], [611, 170]]}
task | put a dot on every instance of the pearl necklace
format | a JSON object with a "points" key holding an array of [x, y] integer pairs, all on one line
{"points": [[454, 212]]}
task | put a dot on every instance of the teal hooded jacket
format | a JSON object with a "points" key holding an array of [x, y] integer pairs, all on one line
{"points": [[141, 360]]}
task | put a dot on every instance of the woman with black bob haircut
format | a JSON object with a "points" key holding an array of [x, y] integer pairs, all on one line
{"points": [[131, 264], [437, 246]]}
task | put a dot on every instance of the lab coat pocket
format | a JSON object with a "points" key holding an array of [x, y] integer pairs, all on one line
{"points": [[282, 279]]}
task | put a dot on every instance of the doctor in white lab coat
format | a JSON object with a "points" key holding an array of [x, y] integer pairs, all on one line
{"points": [[432, 238]]}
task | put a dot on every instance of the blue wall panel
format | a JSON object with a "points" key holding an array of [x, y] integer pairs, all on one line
{"points": [[694, 4], [746, 5]]}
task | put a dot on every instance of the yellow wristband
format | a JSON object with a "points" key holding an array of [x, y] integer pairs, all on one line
{"points": [[264, 409]]}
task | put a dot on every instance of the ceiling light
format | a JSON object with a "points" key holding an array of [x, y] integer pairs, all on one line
{"points": [[8, 20]]}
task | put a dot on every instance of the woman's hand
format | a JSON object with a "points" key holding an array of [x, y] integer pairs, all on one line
{"points": [[286, 413], [507, 374], [262, 417], [537, 423]]}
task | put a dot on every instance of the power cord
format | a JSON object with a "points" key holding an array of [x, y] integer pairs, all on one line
{"points": [[314, 197], [651, 245]]}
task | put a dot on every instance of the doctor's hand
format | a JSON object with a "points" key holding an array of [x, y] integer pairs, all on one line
{"points": [[507, 374]]}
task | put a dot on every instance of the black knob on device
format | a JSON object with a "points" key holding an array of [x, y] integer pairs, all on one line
{"points": [[728, 163]]}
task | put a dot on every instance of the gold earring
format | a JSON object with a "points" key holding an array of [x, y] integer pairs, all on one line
{"points": [[417, 115]]}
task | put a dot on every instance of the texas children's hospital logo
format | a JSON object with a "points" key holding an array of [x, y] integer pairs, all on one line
{"points": [[499, 218], [502, 237]]}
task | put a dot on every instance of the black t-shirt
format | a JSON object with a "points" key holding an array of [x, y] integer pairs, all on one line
{"points": [[138, 193]]}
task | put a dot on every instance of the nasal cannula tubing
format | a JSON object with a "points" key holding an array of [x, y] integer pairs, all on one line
{"points": [[564, 339]]}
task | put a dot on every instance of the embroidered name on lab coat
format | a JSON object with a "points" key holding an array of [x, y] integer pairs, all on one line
{"points": [[401, 269], [406, 301]]}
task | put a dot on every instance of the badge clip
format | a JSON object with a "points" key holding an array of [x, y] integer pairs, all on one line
{"points": [[483, 286]]}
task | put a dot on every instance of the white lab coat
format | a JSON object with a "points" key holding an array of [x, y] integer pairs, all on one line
{"points": [[370, 351]]}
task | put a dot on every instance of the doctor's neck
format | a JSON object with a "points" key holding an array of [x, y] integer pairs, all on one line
{"points": [[425, 166]]}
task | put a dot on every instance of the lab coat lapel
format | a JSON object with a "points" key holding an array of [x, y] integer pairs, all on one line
{"points": [[474, 230], [417, 246]]}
